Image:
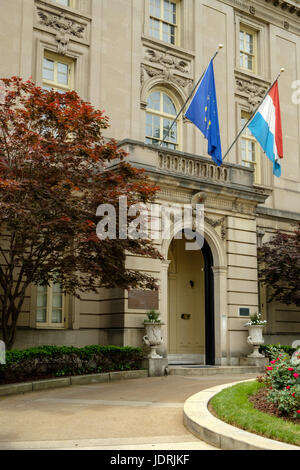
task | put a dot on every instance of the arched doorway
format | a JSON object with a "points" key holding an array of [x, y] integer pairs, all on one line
{"points": [[191, 329]]}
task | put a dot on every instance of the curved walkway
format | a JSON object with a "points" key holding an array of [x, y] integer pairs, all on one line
{"points": [[130, 414]]}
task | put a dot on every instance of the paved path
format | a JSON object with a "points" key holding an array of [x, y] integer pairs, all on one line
{"points": [[127, 414]]}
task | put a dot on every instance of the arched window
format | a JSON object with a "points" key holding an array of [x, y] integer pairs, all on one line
{"points": [[160, 114]]}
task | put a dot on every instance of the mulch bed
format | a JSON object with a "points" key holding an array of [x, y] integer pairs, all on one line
{"points": [[261, 403]]}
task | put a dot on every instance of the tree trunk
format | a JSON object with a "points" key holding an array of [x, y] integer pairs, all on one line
{"points": [[9, 320], [9, 336]]}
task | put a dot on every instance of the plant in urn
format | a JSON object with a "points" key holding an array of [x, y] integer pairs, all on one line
{"points": [[153, 337], [255, 338]]}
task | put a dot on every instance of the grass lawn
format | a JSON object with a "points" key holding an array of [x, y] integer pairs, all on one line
{"points": [[233, 406]]}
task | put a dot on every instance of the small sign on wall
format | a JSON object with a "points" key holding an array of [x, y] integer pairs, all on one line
{"points": [[142, 299], [244, 311]]}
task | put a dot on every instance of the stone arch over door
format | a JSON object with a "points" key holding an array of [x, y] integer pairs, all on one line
{"points": [[215, 270]]}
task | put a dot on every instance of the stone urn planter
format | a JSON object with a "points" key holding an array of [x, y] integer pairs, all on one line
{"points": [[255, 336], [153, 337], [255, 339]]}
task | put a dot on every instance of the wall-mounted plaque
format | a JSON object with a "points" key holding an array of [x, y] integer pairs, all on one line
{"points": [[143, 299]]}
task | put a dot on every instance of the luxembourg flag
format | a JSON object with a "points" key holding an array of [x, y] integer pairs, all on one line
{"points": [[266, 128]]}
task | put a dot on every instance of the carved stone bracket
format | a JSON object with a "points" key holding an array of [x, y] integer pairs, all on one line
{"points": [[64, 27], [252, 90]]}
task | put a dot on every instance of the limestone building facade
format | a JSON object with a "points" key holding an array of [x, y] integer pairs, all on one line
{"points": [[138, 60]]}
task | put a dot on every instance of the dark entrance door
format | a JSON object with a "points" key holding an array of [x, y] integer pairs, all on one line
{"points": [[209, 305]]}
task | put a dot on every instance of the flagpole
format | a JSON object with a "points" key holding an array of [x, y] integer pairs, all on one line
{"points": [[252, 116], [186, 101]]}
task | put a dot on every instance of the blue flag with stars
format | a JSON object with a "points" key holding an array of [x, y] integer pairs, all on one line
{"points": [[203, 112]]}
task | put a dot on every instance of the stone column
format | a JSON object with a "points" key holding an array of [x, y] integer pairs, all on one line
{"points": [[221, 331], [163, 350]]}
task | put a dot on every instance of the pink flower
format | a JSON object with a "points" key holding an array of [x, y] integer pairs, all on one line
{"points": [[293, 394], [290, 368], [296, 375], [270, 368], [288, 387], [273, 362], [298, 411]]}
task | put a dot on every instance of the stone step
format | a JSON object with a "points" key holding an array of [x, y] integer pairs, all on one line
{"points": [[212, 370]]}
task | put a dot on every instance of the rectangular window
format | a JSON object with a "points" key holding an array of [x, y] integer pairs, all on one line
{"points": [[50, 306], [249, 148], [58, 72], [164, 20], [248, 49]]}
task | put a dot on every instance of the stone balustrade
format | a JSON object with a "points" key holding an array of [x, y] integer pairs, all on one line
{"points": [[192, 167], [185, 165]]}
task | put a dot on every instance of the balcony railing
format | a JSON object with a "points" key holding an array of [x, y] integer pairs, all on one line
{"points": [[193, 168], [181, 164]]}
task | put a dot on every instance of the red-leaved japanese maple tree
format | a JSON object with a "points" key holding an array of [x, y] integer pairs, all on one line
{"points": [[279, 267], [55, 170]]}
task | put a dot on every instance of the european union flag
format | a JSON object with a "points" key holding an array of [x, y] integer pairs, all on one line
{"points": [[203, 112]]}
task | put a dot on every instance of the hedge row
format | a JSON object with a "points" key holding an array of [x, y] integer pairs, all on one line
{"points": [[55, 361], [268, 349]]}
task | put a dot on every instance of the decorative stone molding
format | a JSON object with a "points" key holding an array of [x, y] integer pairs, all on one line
{"points": [[221, 221], [251, 89], [198, 198], [260, 234], [63, 26], [221, 203], [163, 65], [242, 207], [172, 195], [167, 60], [166, 75]]}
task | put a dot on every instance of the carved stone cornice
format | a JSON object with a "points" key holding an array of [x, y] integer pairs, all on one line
{"points": [[284, 14], [292, 7]]}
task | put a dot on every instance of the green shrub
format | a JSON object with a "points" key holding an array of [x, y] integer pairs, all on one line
{"points": [[45, 361], [273, 350]]}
